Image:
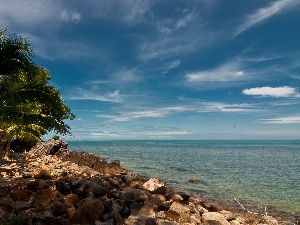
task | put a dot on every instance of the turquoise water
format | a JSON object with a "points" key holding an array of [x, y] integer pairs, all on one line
{"points": [[257, 173]]}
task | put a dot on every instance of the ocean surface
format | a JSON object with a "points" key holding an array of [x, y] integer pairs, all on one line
{"points": [[258, 174]]}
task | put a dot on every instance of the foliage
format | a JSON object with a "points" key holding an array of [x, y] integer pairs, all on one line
{"points": [[31, 106]]}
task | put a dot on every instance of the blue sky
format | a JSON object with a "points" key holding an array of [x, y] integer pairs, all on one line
{"points": [[168, 69]]}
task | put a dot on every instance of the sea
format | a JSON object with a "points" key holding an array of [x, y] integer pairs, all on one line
{"points": [[261, 176]]}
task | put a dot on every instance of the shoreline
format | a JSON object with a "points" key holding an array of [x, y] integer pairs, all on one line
{"points": [[93, 166]]}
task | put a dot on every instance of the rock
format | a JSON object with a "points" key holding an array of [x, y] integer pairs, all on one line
{"points": [[140, 215], [43, 174], [193, 180], [228, 215], [234, 222], [214, 218], [176, 197], [92, 188], [21, 195], [134, 195], [37, 184], [88, 213], [43, 196], [62, 187], [269, 220], [178, 213], [21, 205], [179, 208], [157, 221], [153, 184], [70, 199]]}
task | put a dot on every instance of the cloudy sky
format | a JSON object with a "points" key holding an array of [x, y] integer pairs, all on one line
{"points": [[168, 69]]}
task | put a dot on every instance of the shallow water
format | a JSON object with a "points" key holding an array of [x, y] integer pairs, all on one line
{"points": [[257, 173]]}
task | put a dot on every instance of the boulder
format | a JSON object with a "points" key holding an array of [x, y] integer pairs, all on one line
{"points": [[178, 213], [88, 213], [134, 195], [140, 214], [153, 184], [43, 196], [214, 218], [37, 184]]}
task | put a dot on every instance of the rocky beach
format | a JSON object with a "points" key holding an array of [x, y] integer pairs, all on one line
{"points": [[51, 184]]}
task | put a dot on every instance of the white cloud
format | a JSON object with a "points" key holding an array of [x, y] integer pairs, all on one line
{"points": [[171, 65], [228, 72], [144, 113], [70, 16], [276, 92], [230, 108], [169, 25], [264, 13], [82, 94], [283, 120]]}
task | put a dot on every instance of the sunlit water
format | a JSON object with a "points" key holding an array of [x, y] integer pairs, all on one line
{"points": [[257, 173]]}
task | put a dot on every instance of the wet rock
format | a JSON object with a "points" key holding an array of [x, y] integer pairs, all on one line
{"points": [[214, 218]]}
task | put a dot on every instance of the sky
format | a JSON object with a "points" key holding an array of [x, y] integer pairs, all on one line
{"points": [[169, 69]]}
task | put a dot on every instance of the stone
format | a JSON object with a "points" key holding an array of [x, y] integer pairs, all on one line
{"points": [[140, 215], [153, 184], [178, 213], [228, 215], [21, 195], [179, 208], [234, 222], [92, 188], [214, 218], [36, 185], [269, 220], [88, 213], [43, 174], [43, 196], [176, 197], [157, 221], [134, 195], [63, 188], [21, 205], [70, 199]]}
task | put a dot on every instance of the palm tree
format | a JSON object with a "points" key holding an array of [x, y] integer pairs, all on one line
{"points": [[30, 106], [15, 54]]}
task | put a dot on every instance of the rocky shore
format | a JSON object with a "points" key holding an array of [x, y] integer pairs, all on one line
{"points": [[53, 185]]}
